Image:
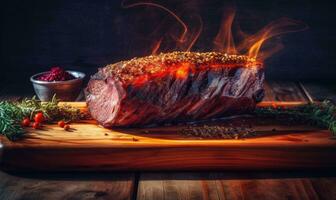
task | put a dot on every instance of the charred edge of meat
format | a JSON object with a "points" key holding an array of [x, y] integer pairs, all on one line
{"points": [[149, 65]]}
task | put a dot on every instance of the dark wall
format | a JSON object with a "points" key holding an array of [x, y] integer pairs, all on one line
{"points": [[86, 34]]}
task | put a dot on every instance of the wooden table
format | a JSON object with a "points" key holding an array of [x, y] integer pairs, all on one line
{"points": [[256, 185]]}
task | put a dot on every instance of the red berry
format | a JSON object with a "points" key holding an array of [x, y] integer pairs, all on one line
{"points": [[36, 125], [39, 117], [61, 124], [25, 122], [56, 74], [67, 127]]}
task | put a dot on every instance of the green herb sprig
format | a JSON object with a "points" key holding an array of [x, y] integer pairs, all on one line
{"points": [[322, 114], [12, 113]]}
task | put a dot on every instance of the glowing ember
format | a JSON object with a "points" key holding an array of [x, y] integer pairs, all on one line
{"points": [[183, 70]]}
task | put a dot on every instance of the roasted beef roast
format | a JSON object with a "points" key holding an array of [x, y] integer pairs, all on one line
{"points": [[174, 87]]}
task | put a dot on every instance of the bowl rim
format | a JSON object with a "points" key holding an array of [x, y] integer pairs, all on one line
{"points": [[81, 77]]}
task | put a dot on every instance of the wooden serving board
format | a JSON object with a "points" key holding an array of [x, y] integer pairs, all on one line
{"points": [[88, 147]]}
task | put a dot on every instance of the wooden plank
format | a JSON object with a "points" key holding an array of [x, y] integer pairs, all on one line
{"points": [[239, 185], [234, 185], [286, 91], [66, 186], [10, 92], [91, 147], [321, 92], [28, 185], [82, 150], [269, 93]]}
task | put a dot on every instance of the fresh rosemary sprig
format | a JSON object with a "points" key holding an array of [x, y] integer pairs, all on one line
{"points": [[322, 114], [10, 117], [12, 113]]}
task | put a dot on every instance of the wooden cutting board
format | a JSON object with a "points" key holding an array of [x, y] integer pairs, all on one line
{"points": [[89, 147]]}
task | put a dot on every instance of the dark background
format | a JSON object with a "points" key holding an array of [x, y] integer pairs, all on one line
{"points": [[86, 34]]}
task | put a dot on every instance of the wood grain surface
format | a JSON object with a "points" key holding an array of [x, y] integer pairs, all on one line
{"points": [[248, 185], [234, 186], [251, 185], [63, 186], [66, 186], [87, 146], [90, 147]]}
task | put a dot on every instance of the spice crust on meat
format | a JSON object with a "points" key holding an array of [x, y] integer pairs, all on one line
{"points": [[128, 70]]}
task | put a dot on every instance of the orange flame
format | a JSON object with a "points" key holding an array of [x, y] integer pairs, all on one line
{"points": [[186, 38], [250, 45], [196, 35], [254, 42], [156, 46], [224, 39]]}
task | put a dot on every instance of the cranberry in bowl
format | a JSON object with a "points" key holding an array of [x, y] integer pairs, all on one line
{"points": [[66, 84]]}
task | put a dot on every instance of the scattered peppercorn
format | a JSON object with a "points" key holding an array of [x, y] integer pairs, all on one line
{"points": [[223, 132]]}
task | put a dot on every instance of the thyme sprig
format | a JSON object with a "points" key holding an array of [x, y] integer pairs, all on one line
{"points": [[322, 114], [12, 113]]}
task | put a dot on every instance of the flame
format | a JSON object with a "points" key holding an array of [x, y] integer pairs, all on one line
{"points": [[251, 45], [224, 40], [156, 46], [184, 41], [254, 42], [197, 34], [184, 38]]}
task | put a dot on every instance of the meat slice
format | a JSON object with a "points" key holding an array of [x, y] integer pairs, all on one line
{"points": [[174, 87]]}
